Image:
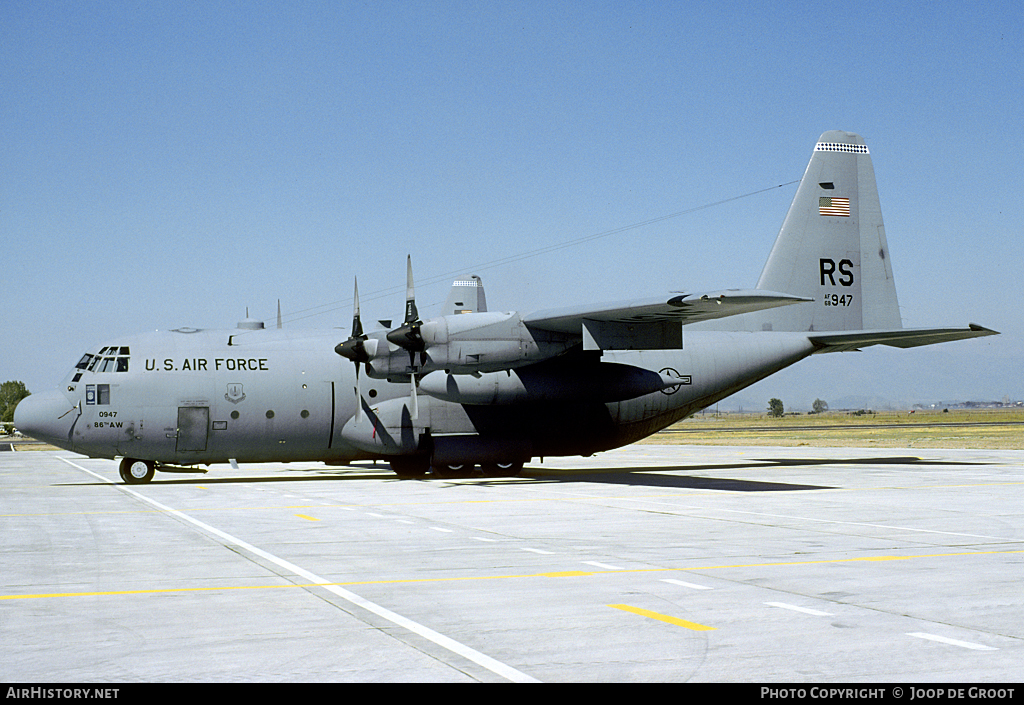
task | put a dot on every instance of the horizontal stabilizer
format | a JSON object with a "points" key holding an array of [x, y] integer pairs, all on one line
{"points": [[899, 338]]}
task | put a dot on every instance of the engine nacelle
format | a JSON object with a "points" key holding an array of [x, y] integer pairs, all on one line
{"points": [[465, 344]]}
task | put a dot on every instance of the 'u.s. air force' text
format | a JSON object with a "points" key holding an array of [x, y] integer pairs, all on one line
{"points": [[201, 364]]}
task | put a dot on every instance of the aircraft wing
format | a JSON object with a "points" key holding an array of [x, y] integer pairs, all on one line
{"points": [[899, 338], [652, 323]]}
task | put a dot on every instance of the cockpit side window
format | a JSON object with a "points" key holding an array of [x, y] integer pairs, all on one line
{"points": [[84, 362], [122, 363]]}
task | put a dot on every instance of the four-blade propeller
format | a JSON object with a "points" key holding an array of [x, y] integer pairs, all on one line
{"points": [[355, 349], [360, 349]]}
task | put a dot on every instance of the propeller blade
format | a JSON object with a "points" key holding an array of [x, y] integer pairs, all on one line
{"points": [[354, 348], [411, 314], [357, 324], [408, 335], [359, 398]]}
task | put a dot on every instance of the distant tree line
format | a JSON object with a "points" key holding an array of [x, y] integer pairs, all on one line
{"points": [[776, 409], [10, 394]]}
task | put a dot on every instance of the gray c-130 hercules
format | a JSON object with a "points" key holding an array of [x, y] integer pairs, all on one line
{"points": [[479, 389]]}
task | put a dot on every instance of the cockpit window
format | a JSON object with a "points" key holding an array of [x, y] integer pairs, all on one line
{"points": [[111, 358]]}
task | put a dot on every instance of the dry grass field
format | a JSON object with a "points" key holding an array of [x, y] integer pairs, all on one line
{"points": [[973, 429]]}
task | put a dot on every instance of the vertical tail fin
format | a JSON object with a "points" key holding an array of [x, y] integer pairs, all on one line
{"points": [[832, 247]]}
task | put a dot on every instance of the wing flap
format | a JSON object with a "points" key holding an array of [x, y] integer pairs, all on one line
{"points": [[681, 309]]}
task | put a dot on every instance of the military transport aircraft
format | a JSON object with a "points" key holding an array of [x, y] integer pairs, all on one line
{"points": [[479, 389]]}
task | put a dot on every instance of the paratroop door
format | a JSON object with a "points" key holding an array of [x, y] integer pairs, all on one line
{"points": [[193, 427]]}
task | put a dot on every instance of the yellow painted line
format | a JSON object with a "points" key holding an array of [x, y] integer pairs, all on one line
{"points": [[555, 574], [306, 517], [664, 618]]}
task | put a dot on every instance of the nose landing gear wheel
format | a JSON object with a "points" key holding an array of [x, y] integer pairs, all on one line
{"points": [[137, 472]]}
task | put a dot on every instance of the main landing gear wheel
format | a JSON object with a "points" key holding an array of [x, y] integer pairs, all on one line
{"points": [[453, 471], [501, 469], [410, 466], [137, 472]]}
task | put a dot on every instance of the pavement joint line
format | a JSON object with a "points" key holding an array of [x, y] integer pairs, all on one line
{"points": [[861, 523], [455, 647]]}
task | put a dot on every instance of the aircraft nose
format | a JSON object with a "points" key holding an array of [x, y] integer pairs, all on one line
{"points": [[44, 416]]}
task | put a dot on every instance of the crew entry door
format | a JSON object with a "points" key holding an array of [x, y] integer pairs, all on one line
{"points": [[193, 428]]}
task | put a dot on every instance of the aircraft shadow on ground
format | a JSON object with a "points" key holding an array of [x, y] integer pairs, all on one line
{"points": [[652, 476], [657, 476]]}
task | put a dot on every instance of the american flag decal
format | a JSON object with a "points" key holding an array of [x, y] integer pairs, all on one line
{"points": [[830, 205]]}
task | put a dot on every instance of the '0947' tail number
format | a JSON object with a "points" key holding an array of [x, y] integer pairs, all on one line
{"points": [[838, 299]]}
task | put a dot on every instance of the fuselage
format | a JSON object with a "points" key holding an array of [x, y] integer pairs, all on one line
{"points": [[189, 396]]}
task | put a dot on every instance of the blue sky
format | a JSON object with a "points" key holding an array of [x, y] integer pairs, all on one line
{"points": [[172, 163]]}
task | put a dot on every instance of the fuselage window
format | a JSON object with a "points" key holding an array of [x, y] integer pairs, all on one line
{"points": [[97, 394]]}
